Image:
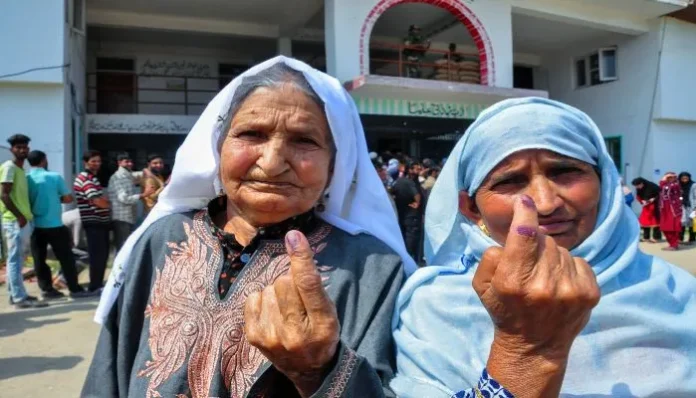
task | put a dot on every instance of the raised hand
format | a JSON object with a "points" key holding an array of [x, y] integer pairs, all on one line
{"points": [[293, 322], [539, 298]]}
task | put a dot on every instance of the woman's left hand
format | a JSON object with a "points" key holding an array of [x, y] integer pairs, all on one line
{"points": [[293, 322]]}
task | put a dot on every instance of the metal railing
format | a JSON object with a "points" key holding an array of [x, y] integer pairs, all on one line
{"points": [[423, 62], [111, 91]]}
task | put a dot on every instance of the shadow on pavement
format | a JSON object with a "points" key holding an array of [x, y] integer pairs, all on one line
{"points": [[662, 244], [17, 321], [20, 366]]}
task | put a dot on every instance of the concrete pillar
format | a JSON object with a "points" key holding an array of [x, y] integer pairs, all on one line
{"points": [[285, 46], [342, 22]]}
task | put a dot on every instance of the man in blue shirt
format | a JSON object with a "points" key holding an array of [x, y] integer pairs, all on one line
{"points": [[46, 193]]}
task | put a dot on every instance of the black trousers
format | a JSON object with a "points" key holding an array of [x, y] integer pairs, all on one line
{"points": [[60, 240], [411, 229], [692, 234], [656, 234], [122, 231], [98, 249]]}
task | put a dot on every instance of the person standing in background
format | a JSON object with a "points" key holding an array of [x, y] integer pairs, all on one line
{"points": [[47, 191], [71, 219], [95, 217], [648, 194], [409, 199], [628, 194], [671, 210], [155, 181], [16, 218], [414, 51], [453, 55], [124, 197], [431, 178], [687, 186], [393, 170], [386, 181]]}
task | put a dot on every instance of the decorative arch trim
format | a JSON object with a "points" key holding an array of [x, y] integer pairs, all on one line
{"points": [[456, 8]]}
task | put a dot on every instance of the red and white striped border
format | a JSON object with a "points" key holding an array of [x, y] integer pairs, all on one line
{"points": [[456, 8]]}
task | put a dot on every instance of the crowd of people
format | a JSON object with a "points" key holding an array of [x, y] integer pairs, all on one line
{"points": [[408, 182], [667, 208], [31, 206]]}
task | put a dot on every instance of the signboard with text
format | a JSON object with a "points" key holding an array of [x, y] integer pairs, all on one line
{"points": [[139, 124], [402, 107]]}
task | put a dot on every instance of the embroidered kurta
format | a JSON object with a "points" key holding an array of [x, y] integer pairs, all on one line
{"points": [[670, 207], [171, 333]]}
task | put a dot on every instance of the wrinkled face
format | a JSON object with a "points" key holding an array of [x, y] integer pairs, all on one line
{"points": [[566, 192], [275, 161], [93, 164], [156, 165], [126, 164], [20, 151]]}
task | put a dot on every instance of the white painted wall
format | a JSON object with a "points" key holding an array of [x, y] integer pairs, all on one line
{"points": [[344, 23], [673, 133], [620, 108], [31, 36], [674, 143], [677, 88], [34, 34], [37, 111]]}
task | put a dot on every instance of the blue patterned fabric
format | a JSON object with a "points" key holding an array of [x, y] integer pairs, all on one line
{"points": [[487, 387]]}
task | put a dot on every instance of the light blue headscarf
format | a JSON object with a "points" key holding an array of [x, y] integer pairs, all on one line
{"points": [[641, 338]]}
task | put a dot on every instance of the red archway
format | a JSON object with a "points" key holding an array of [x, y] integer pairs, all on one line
{"points": [[456, 8]]}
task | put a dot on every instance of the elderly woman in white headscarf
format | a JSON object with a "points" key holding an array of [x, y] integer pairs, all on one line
{"points": [[526, 231], [271, 262]]}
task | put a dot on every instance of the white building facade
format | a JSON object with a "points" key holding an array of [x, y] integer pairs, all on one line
{"points": [[134, 75]]}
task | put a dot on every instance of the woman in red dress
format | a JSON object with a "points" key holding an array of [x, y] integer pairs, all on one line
{"points": [[670, 210], [648, 194]]}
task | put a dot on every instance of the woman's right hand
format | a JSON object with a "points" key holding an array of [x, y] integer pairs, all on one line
{"points": [[539, 298]]}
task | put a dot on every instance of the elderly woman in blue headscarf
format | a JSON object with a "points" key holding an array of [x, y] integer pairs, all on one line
{"points": [[527, 231]]}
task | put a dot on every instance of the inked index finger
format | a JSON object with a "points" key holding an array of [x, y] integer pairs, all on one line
{"points": [[522, 243], [306, 277]]}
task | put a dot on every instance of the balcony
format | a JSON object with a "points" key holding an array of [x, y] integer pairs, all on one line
{"points": [[120, 92], [388, 59], [121, 102], [439, 84]]}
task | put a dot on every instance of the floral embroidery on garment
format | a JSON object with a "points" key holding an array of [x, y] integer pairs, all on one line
{"points": [[190, 324], [487, 388], [343, 373]]}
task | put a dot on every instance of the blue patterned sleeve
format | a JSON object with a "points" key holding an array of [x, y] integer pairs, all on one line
{"points": [[487, 388]]}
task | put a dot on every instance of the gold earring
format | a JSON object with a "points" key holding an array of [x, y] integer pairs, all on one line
{"points": [[484, 229]]}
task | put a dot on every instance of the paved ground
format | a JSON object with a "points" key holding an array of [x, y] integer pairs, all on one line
{"points": [[46, 352]]}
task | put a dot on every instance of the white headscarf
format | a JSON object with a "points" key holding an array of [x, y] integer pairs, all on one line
{"points": [[357, 203]]}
